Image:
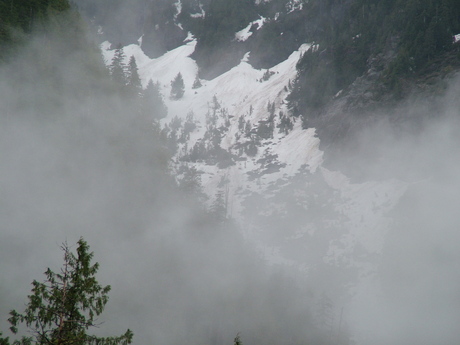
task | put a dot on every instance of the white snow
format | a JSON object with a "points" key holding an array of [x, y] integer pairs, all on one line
{"points": [[245, 33], [294, 5], [243, 92], [199, 15], [456, 38], [178, 6], [242, 88]]}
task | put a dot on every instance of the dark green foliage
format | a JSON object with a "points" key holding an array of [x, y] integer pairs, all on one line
{"points": [[4, 341], [152, 103], [276, 40], [177, 87], [348, 33], [62, 309], [285, 125], [133, 78], [189, 181], [215, 51], [118, 67], [237, 340], [189, 126], [18, 18], [265, 127]]}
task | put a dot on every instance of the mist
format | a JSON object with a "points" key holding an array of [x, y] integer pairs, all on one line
{"points": [[76, 160], [414, 294]]}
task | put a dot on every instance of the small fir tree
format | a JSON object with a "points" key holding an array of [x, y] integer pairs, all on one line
{"points": [[118, 67], [219, 207], [65, 306], [237, 340], [133, 78], [152, 102], [177, 87], [197, 83]]}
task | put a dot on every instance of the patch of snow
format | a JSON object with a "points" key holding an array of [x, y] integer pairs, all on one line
{"points": [[246, 57], [365, 205], [245, 33], [240, 91], [457, 38], [178, 6], [294, 5], [202, 14], [189, 37]]}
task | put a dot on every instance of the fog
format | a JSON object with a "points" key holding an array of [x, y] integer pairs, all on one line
{"points": [[415, 293], [75, 160]]}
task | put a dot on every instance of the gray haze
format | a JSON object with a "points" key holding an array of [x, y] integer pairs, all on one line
{"points": [[77, 160], [415, 294], [74, 161]]}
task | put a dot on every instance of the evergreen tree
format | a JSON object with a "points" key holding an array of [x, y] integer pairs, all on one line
{"points": [[64, 307], [4, 341], [190, 182], [177, 87], [219, 207], [152, 102], [189, 125], [133, 78], [237, 340], [215, 103], [241, 123], [118, 67], [19, 18], [197, 83]]}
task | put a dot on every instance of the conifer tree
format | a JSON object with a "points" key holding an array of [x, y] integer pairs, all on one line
{"points": [[197, 83], [237, 340], [219, 207], [152, 102], [62, 309], [177, 87], [190, 183], [133, 79], [118, 67]]}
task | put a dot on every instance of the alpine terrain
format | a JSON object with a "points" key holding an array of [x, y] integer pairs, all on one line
{"points": [[319, 136]]}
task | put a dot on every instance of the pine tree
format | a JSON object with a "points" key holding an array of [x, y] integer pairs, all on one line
{"points": [[118, 67], [152, 102], [4, 341], [64, 307], [197, 83], [189, 125], [133, 78], [190, 183], [219, 207], [237, 340], [177, 87]]}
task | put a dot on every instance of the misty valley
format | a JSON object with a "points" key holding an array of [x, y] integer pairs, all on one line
{"points": [[229, 172]]}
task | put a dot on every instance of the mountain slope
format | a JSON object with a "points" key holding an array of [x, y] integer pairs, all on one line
{"points": [[245, 147]]}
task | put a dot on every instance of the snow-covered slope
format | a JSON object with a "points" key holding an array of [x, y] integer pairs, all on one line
{"points": [[246, 147]]}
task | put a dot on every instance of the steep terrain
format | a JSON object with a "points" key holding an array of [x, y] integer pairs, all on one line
{"points": [[322, 132], [253, 162], [246, 136]]}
